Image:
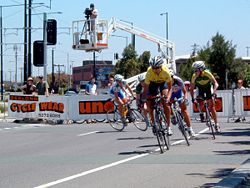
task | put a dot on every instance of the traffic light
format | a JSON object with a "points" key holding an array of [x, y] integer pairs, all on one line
{"points": [[51, 31], [38, 53], [116, 56]]}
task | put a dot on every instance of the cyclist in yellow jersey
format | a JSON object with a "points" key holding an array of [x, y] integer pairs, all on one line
{"points": [[158, 80], [204, 80]]}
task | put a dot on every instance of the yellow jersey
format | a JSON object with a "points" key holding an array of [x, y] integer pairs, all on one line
{"points": [[164, 75], [204, 80]]}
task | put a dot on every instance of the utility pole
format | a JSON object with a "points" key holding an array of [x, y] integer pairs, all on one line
{"points": [[25, 67], [53, 72], [194, 49], [166, 14], [21, 73], [248, 50], [15, 49], [29, 65], [10, 71], [59, 73]]}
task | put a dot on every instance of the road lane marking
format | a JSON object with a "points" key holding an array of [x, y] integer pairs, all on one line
{"points": [[84, 134], [91, 171], [105, 166]]}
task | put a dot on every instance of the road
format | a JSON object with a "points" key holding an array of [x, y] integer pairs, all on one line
{"points": [[96, 156]]}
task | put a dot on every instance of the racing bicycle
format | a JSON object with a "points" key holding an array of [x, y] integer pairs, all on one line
{"points": [[132, 115], [208, 117], [159, 125], [178, 117]]}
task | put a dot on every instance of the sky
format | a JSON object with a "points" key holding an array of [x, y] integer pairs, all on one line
{"points": [[189, 22]]}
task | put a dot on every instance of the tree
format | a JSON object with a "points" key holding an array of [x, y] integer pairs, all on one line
{"points": [[127, 65], [143, 61]]}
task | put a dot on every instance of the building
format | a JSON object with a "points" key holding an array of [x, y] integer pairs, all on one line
{"points": [[84, 73]]}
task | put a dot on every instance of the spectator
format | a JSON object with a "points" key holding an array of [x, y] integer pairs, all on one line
{"points": [[110, 81], [91, 90], [42, 87], [29, 88], [93, 17], [187, 85], [91, 87], [240, 84]]}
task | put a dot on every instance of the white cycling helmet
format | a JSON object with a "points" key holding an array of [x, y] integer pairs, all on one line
{"points": [[141, 77], [186, 83], [156, 61], [198, 65], [171, 72], [118, 77]]}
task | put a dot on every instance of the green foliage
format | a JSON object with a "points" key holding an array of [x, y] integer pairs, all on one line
{"points": [[143, 61], [220, 60], [129, 65], [186, 69]]}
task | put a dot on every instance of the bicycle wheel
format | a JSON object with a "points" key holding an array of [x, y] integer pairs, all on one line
{"points": [[182, 127], [114, 119], [210, 124], [162, 137], [138, 120]]}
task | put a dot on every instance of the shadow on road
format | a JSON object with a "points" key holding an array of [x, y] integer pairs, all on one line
{"points": [[220, 173]]}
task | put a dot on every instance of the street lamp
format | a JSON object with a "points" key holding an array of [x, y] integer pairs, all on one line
{"points": [[166, 14], [132, 35], [121, 37], [248, 50]]}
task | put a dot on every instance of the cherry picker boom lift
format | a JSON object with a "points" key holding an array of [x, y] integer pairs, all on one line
{"points": [[93, 36]]}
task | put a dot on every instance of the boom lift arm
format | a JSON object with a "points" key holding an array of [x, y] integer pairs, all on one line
{"points": [[97, 39]]}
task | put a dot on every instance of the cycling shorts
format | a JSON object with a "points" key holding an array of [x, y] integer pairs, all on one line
{"points": [[205, 93], [156, 88]]}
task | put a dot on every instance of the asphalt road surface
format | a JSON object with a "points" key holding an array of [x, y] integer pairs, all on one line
{"points": [[97, 156]]}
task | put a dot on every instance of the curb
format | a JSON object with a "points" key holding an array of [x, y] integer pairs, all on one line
{"points": [[237, 177]]}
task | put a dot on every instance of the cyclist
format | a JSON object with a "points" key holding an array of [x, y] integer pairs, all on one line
{"points": [[203, 80], [180, 93], [120, 94], [141, 97], [158, 80]]}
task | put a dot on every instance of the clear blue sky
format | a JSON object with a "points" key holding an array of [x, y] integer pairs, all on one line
{"points": [[190, 21]]}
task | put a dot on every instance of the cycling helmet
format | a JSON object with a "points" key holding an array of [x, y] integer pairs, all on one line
{"points": [[171, 72], [118, 77], [156, 61], [186, 83], [198, 65], [141, 77], [30, 79]]}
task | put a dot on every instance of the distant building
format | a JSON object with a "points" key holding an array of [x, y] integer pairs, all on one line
{"points": [[86, 71], [245, 60]]}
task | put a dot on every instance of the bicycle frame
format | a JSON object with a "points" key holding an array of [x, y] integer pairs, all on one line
{"points": [[208, 116], [132, 115], [176, 110], [159, 121]]}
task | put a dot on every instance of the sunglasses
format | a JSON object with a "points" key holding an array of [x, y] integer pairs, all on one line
{"points": [[155, 68], [196, 70]]}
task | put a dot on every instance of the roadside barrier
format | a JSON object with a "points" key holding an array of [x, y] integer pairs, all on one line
{"points": [[229, 103]]}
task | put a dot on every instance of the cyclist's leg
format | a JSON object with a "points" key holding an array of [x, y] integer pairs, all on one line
{"points": [[201, 104], [211, 105], [167, 108], [121, 99], [187, 118], [214, 114]]}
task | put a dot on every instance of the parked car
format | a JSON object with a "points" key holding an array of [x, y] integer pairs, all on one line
{"points": [[69, 93], [82, 92]]}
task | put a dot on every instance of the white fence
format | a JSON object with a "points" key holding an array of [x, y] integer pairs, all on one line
{"points": [[230, 103]]}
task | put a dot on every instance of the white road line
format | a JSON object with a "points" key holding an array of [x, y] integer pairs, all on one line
{"points": [[84, 134], [90, 171], [102, 167]]}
